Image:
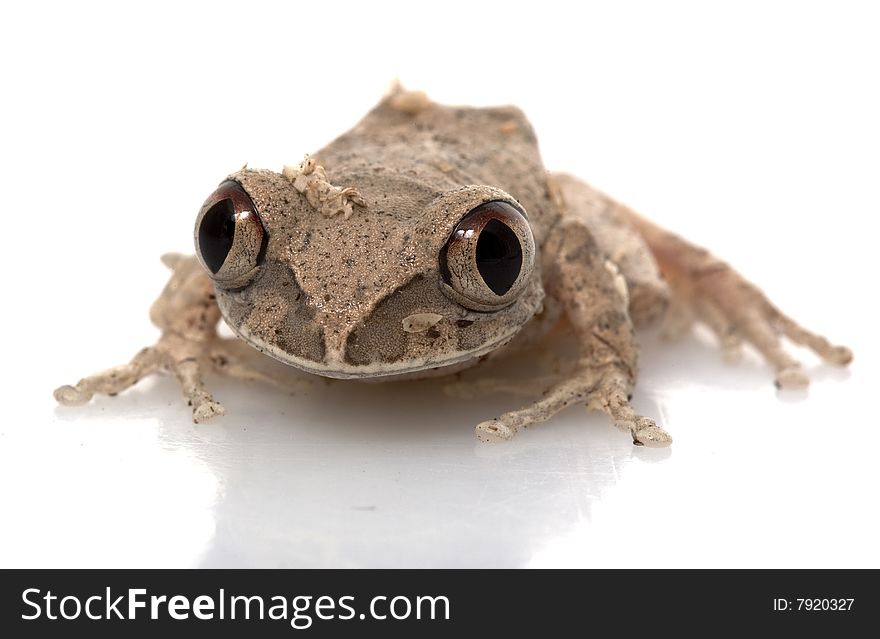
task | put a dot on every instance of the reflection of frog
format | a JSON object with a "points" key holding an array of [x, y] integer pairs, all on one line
{"points": [[418, 243]]}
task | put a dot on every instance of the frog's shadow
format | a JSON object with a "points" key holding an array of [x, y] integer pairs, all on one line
{"points": [[356, 474], [384, 475]]}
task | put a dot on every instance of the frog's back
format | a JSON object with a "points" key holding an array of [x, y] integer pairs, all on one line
{"points": [[446, 147]]}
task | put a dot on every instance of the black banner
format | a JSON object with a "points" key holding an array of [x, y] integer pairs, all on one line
{"points": [[431, 603]]}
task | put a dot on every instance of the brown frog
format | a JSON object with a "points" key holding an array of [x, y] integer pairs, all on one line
{"points": [[421, 242]]}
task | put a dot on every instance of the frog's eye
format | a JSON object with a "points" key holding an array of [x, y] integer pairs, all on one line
{"points": [[229, 235], [487, 260]]}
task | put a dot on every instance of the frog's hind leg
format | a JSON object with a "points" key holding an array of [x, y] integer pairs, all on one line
{"points": [[594, 297], [710, 291]]}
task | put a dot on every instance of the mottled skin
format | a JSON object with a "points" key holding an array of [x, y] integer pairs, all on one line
{"points": [[349, 282]]}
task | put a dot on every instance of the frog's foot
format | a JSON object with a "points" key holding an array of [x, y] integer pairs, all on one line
{"points": [[737, 312], [602, 388], [682, 315], [187, 314], [187, 361], [185, 365], [111, 381], [189, 373], [710, 291]]}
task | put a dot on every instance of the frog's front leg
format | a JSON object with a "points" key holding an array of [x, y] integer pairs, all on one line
{"points": [[593, 295], [187, 314]]}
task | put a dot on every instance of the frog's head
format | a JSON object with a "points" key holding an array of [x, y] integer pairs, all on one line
{"points": [[405, 278]]}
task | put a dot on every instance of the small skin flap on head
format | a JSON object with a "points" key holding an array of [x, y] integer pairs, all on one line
{"points": [[310, 179]]}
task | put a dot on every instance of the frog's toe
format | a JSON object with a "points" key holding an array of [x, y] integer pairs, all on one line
{"points": [[791, 378], [207, 410], [493, 431], [648, 433], [71, 396], [840, 355]]}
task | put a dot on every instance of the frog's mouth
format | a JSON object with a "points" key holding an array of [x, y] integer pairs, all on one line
{"points": [[404, 343], [336, 366]]}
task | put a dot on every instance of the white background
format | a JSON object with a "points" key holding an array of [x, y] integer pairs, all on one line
{"points": [[751, 128]]}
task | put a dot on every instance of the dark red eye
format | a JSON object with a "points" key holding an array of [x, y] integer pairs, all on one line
{"points": [[488, 258], [216, 233], [230, 238]]}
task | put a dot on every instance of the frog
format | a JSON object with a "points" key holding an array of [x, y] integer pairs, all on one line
{"points": [[425, 241]]}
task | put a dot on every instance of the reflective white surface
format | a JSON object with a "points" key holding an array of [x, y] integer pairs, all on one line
{"points": [[350, 474], [767, 154]]}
